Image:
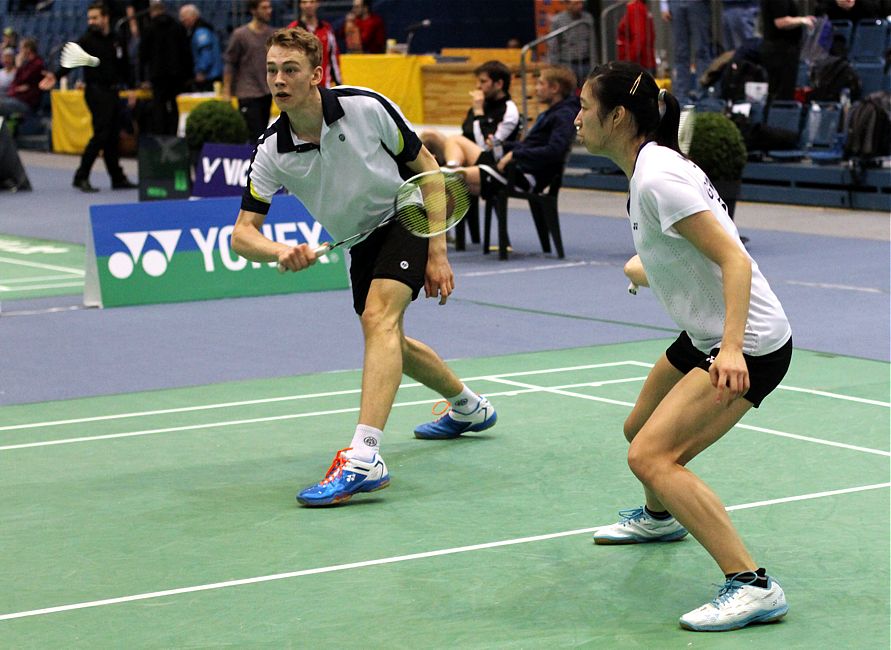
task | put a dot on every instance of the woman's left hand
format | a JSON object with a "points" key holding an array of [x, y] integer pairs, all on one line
{"points": [[729, 375]]}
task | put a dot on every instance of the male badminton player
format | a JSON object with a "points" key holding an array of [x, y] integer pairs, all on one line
{"points": [[735, 347], [344, 152]]}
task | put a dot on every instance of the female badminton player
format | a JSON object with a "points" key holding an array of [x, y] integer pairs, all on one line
{"points": [[735, 347]]}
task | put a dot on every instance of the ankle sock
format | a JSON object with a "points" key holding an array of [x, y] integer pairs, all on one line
{"points": [[760, 577], [465, 402], [661, 516], [366, 442]]}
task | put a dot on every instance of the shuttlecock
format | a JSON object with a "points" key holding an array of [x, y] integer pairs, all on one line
{"points": [[74, 56]]}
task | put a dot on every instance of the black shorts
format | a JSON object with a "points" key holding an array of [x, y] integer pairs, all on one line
{"points": [[389, 252], [765, 371]]}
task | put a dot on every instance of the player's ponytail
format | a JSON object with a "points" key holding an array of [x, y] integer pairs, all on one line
{"points": [[667, 132], [622, 83]]}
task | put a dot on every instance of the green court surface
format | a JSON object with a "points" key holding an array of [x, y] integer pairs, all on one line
{"points": [[37, 268], [168, 519]]}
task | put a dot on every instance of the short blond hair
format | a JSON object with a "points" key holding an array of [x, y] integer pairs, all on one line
{"points": [[562, 76], [295, 38]]}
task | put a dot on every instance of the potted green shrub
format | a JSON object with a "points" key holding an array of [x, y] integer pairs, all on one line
{"points": [[719, 150], [214, 121]]}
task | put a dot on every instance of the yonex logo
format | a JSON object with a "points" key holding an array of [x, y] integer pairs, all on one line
{"points": [[403, 265], [154, 262]]}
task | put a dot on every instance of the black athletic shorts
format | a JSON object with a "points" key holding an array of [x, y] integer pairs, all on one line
{"points": [[389, 252], [765, 371]]}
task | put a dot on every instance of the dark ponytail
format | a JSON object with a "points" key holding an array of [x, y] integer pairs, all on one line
{"points": [[622, 83]]}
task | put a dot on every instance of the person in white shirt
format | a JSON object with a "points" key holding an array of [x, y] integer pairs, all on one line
{"points": [[735, 348], [7, 70], [344, 153]]}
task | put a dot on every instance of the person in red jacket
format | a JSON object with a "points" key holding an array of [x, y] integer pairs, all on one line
{"points": [[364, 30], [23, 95], [635, 37], [309, 20]]}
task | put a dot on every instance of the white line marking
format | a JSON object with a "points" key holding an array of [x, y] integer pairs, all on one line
{"points": [[544, 267], [270, 400], [823, 393], [38, 265], [272, 418], [390, 560], [38, 278], [843, 287], [38, 287]]}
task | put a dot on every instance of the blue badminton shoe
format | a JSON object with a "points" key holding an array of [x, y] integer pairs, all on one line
{"points": [[455, 422], [346, 477]]}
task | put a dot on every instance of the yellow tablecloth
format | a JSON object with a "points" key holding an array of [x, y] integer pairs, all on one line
{"points": [[395, 75]]}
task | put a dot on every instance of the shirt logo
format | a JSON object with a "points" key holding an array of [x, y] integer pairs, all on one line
{"points": [[342, 137], [634, 225], [403, 265]]}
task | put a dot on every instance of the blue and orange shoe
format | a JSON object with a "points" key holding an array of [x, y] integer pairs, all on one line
{"points": [[455, 422], [346, 477]]}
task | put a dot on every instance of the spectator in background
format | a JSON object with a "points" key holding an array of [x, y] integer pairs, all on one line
{"points": [[738, 19], [244, 70], [101, 95], [853, 10], [492, 120], [10, 39], [688, 18], [540, 156], [7, 70], [781, 46], [364, 30], [573, 48], [166, 58], [636, 36], [205, 48], [23, 94], [309, 20]]}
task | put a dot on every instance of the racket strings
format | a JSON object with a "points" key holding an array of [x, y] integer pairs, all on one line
{"points": [[433, 205]]}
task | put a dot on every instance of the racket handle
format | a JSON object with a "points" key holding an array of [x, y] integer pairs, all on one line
{"points": [[632, 289], [321, 250]]}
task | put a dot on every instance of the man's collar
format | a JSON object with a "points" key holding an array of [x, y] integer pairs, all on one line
{"points": [[331, 112], [331, 108]]}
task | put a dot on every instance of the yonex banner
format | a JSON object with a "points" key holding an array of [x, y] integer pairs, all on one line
{"points": [[173, 251]]}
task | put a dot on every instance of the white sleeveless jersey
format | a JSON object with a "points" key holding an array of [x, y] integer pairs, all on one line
{"points": [[665, 188]]}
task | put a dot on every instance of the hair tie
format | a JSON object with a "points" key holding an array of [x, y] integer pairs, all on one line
{"points": [[661, 103]]}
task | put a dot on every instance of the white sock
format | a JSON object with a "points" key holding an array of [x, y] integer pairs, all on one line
{"points": [[366, 442], [453, 163], [465, 402]]}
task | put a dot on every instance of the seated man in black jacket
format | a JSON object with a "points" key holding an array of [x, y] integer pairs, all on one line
{"points": [[493, 116], [540, 156]]}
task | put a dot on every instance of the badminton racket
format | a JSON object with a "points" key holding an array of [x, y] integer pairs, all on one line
{"points": [[74, 56], [426, 205]]}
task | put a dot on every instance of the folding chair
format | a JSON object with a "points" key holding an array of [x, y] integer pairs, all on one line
{"points": [[543, 206]]}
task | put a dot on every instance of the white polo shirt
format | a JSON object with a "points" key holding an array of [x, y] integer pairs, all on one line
{"points": [[347, 181], [665, 188]]}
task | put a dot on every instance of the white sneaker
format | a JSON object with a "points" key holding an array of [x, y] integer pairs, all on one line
{"points": [[738, 604], [637, 527]]}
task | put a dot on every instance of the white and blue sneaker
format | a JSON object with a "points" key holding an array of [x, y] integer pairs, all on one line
{"points": [[638, 527], [738, 603], [454, 422], [346, 477]]}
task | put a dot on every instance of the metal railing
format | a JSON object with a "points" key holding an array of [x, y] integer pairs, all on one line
{"points": [[550, 36]]}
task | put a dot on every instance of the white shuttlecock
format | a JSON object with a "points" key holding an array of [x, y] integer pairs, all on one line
{"points": [[74, 56]]}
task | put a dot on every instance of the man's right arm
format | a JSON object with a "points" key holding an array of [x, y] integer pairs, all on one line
{"points": [[249, 242]]}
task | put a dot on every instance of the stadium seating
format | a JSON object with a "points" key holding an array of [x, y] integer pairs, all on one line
{"points": [[870, 41]]}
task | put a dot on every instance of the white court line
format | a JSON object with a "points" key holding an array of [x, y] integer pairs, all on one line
{"points": [[544, 267], [271, 418], [823, 393], [390, 560], [37, 287], [38, 265], [819, 441], [843, 287], [270, 400], [38, 278]]}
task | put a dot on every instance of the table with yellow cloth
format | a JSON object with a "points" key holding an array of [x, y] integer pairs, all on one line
{"points": [[395, 75]]}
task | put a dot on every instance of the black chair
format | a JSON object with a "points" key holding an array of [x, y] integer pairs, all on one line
{"points": [[543, 206], [472, 222]]}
